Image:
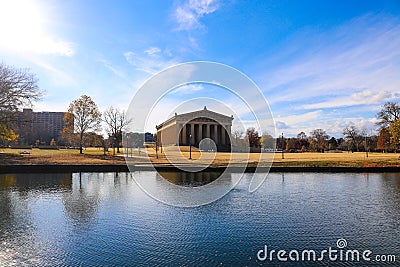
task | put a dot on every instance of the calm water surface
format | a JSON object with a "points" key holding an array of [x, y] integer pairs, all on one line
{"points": [[106, 220]]}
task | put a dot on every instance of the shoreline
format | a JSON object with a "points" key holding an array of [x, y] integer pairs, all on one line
{"points": [[72, 168]]}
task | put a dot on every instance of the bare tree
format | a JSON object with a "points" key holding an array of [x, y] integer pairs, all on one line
{"points": [[116, 122], [389, 114], [18, 87], [319, 138], [253, 138], [268, 142], [354, 137], [83, 115], [237, 137], [302, 137]]}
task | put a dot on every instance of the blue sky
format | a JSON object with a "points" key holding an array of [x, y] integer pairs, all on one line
{"points": [[320, 64]]}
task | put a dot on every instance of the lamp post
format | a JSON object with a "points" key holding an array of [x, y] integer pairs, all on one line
{"points": [[157, 149], [366, 146], [113, 143], [283, 148], [126, 149], [190, 146]]}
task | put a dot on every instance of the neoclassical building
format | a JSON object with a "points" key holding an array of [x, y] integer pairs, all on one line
{"points": [[196, 125]]}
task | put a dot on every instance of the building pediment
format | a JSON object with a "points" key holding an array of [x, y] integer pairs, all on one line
{"points": [[199, 115], [204, 114]]}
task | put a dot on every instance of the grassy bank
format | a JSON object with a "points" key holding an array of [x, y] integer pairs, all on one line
{"points": [[168, 155], [61, 156]]}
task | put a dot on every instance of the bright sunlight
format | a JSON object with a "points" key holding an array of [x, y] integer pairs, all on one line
{"points": [[22, 27]]}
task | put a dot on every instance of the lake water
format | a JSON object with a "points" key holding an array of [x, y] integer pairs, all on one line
{"points": [[104, 219]]}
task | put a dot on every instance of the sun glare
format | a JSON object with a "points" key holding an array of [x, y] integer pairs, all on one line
{"points": [[20, 21], [22, 27]]}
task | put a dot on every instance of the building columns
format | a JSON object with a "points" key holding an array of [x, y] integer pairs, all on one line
{"points": [[183, 133], [223, 135], [216, 133], [228, 130], [200, 132], [180, 131], [192, 133]]}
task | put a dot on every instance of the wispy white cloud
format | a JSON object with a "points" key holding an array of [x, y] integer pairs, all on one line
{"points": [[107, 64], [356, 63], [331, 123], [335, 127], [128, 82], [152, 50], [300, 119], [193, 43], [188, 89], [189, 14], [281, 125], [365, 97], [55, 73], [151, 60]]}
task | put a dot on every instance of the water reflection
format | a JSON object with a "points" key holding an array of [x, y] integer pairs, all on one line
{"points": [[15, 189], [104, 219], [391, 185], [190, 179], [22, 196], [188, 189], [41, 181], [81, 203]]}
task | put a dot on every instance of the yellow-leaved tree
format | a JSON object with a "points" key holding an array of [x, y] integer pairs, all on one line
{"points": [[7, 134], [83, 116], [395, 134]]}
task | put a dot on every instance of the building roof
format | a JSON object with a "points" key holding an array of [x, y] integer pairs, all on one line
{"points": [[205, 113]]}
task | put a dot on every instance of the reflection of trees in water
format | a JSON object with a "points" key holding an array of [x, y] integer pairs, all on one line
{"points": [[23, 182], [190, 178], [16, 197], [18, 227], [87, 190], [392, 188], [17, 234], [81, 203], [7, 218], [7, 181]]}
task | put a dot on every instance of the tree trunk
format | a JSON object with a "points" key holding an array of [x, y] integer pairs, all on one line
{"points": [[81, 143]]}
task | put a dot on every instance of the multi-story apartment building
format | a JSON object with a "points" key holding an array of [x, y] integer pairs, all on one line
{"points": [[42, 126]]}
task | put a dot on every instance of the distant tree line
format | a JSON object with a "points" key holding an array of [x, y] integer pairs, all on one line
{"points": [[354, 139], [317, 141]]}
